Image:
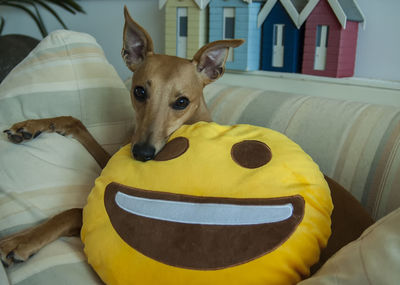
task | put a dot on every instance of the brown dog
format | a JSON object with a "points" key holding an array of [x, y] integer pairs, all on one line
{"points": [[167, 92]]}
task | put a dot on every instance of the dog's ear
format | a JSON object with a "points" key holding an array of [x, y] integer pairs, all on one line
{"points": [[137, 43], [210, 59]]}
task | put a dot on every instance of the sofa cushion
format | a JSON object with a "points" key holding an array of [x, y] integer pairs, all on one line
{"points": [[372, 259], [356, 144], [67, 74]]}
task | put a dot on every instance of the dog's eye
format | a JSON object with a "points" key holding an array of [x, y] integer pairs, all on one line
{"points": [[181, 103], [140, 93]]}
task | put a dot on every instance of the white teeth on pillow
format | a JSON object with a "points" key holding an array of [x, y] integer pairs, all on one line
{"points": [[203, 213]]}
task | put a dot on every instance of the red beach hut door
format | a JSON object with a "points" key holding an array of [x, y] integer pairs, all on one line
{"points": [[321, 47]]}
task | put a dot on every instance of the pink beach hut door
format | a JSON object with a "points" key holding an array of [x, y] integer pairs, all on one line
{"points": [[278, 46], [181, 32], [321, 46]]}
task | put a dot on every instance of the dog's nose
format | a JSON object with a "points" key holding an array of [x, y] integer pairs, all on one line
{"points": [[143, 152]]}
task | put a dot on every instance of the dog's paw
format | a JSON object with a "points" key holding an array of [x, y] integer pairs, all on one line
{"points": [[26, 130], [15, 249], [30, 129]]}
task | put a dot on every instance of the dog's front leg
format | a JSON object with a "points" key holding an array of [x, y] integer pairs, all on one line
{"points": [[66, 125], [20, 246]]}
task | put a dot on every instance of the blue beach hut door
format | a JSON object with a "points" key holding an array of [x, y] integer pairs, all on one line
{"points": [[278, 49], [229, 28], [181, 32]]}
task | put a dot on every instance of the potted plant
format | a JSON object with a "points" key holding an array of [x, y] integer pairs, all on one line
{"points": [[31, 7]]}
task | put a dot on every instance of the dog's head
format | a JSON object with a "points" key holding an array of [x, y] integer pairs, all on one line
{"points": [[167, 91]]}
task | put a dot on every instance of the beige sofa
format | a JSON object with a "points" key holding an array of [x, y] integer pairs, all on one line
{"points": [[355, 143]]}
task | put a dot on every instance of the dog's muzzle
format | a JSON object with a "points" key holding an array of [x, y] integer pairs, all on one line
{"points": [[143, 152]]}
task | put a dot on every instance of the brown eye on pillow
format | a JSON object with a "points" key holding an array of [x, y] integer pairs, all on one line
{"points": [[173, 149], [251, 153]]}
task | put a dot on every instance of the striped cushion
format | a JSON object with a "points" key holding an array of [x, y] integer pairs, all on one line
{"points": [[356, 144], [66, 74]]}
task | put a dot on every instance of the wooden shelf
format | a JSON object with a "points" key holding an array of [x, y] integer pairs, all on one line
{"points": [[352, 88]]}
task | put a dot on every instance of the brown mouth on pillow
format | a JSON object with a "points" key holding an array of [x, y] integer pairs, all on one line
{"points": [[202, 233]]}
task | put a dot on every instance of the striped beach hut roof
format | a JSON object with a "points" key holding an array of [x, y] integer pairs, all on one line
{"points": [[350, 8], [201, 3], [299, 10]]}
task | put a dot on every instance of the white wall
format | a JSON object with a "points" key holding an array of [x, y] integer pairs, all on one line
{"points": [[378, 47], [378, 50]]}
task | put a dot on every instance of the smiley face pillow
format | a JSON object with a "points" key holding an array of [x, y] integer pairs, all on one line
{"points": [[218, 205]]}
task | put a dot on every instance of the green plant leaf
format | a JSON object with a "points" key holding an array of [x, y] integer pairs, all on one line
{"points": [[69, 5], [2, 24], [41, 26], [74, 5], [54, 13], [30, 13], [62, 5]]}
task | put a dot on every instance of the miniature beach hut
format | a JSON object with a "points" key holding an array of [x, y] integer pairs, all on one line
{"points": [[237, 19], [186, 26], [330, 43]]}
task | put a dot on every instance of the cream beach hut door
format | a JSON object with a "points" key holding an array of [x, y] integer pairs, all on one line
{"points": [[181, 32], [278, 49], [321, 46]]}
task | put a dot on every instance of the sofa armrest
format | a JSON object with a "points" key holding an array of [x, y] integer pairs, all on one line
{"points": [[349, 220]]}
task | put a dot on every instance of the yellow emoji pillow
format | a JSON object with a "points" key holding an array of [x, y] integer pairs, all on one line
{"points": [[218, 205]]}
